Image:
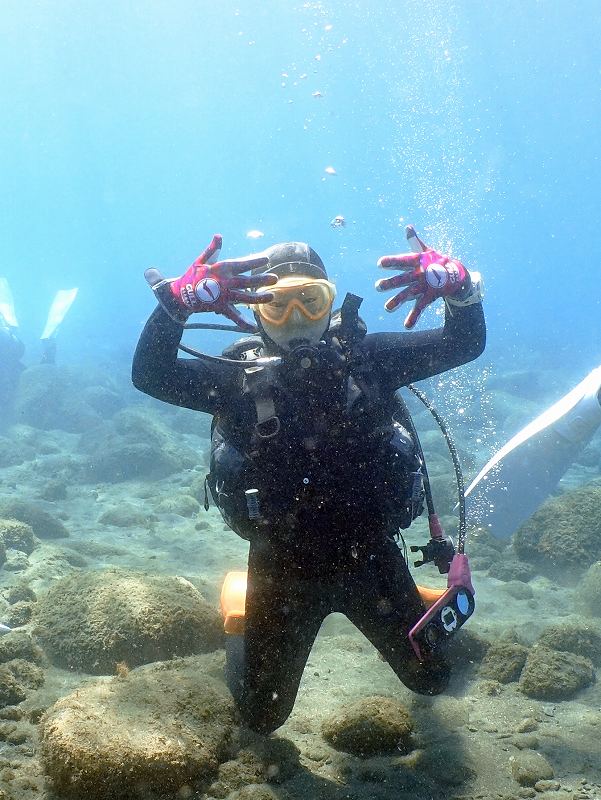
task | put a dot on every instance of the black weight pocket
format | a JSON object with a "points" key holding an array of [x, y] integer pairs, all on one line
{"points": [[231, 473], [404, 495]]}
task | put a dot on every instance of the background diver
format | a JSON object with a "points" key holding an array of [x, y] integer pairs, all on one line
{"points": [[309, 460], [12, 348]]}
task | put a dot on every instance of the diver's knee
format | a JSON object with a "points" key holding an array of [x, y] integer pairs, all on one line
{"points": [[263, 721], [260, 726], [430, 677], [264, 711], [433, 687]]}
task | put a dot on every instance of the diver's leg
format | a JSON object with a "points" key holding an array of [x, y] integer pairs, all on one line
{"points": [[383, 602], [234, 664], [8, 318], [11, 352], [283, 617], [61, 303]]}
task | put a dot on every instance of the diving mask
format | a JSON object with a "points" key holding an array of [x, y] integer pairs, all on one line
{"points": [[311, 297]]}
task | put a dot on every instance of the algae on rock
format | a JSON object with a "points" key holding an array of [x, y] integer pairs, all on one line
{"points": [[588, 592], [504, 661], [564, 535], [574, 636], [369, 726], [554, 675], [90, 621], [162, 728]]}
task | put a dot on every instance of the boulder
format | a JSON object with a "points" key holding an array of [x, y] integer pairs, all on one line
{"points": [[503, 661], [17, 678], [125, 515], [529, 767], [574, 636], [43, 524], [564, 535], [134, 445], [50, 397], [17, 535], [369, 726], [19, 644], [555, 675], [91, 621], [159, 729], [588, 592]]}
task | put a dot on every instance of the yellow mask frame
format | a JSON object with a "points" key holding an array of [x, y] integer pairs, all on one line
{"points": [[313, 297]]}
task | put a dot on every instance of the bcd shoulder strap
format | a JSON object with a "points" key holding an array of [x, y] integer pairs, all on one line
{"points": [[347, 326], [258, 384]]}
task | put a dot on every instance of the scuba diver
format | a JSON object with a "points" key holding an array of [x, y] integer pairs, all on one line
{"points": [[12, 348], [312, 457]]}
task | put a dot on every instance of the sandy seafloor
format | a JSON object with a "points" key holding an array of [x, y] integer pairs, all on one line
{"points": [[466, 739]]}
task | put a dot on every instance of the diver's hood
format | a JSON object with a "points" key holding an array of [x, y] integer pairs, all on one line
{"points": [[293, 258]]}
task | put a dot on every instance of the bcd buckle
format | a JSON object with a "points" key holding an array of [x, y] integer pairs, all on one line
{"points": [[268, 428]]}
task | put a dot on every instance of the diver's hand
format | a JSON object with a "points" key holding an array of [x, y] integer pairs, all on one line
{"points": [[427, 274], [211, 285]]}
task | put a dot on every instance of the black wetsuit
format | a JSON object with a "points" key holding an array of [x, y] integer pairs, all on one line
{"points": [[329, 543]]}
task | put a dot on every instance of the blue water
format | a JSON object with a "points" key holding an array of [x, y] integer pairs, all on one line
{"points": [[133, 131]]}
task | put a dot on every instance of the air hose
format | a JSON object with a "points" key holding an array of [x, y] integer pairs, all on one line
{"points": [[455, 458]]}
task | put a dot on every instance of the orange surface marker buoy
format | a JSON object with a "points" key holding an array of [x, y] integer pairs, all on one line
{"points": [[233, 602], [430, 596]]}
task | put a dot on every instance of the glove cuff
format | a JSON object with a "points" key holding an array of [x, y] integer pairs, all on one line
{"points": [[164, 294], [474, 293]]}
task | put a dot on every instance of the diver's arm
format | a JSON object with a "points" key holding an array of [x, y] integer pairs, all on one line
{"points": [[158, 372], [401, 358], [424, 275], [208, 285]]}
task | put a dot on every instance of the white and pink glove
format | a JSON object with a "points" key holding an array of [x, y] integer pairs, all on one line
{"points": [[427, 275], [211, 285]]}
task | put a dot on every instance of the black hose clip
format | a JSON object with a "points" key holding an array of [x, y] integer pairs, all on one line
{"points": [[439, 551]]}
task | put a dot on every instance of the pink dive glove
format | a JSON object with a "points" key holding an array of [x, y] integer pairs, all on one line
{"points": [[427, 274], [211, 285]]}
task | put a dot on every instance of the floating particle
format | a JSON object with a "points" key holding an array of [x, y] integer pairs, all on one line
{"points": [[317, 94], [338, 221], [254, 234], [330, 171]]}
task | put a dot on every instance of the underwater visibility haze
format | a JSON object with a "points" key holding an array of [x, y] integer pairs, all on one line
{"points": [[135, 131]]}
